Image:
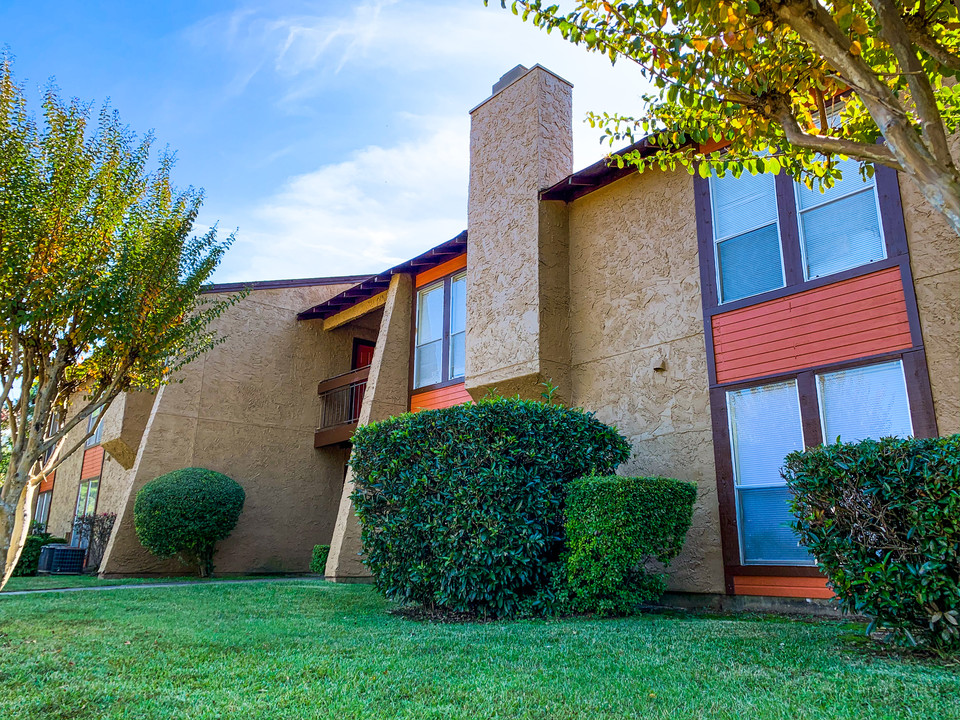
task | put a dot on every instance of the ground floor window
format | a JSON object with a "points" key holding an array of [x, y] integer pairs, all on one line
{"points": [[86, 505], [766, 422], [42, 515]]}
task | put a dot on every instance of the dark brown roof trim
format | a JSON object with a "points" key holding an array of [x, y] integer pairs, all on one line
{"points": [[277, 284], [378, 283], [596, 176]]}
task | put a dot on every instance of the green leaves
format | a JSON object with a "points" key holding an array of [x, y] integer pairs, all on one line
{"points": [[883, 520], [615, 526], [462, 508]]}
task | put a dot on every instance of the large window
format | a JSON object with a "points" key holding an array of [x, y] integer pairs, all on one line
{"points": [[440, 337], [839, 228], [746, 234], [766, 424], [42, 515], [765, 427], [86, 505]]}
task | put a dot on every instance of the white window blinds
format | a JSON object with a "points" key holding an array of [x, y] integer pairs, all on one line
{"points": [[864, 402], [765, 427], [428, 358], [747, 235], [840, 228]]}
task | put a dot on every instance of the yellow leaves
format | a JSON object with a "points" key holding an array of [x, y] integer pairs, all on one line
{"points": [[855, 47], [700, 44], [664, 16], [859, 26]]}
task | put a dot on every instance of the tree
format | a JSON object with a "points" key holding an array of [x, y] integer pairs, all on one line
{"points": [[99, 282], [789, 84]]}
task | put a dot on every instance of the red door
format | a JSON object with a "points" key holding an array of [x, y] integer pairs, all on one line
{"points": [[362, 355]]}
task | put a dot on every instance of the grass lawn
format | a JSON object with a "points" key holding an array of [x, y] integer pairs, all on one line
{"points": [[47, 582], [310, 649]]}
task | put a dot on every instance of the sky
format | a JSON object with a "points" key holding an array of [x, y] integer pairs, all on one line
{"points": [[332, 136]]}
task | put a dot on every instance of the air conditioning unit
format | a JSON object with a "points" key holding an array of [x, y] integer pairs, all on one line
{"points": [[61, 560]]}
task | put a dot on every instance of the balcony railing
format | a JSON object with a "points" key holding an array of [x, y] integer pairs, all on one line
{"points": [[340, 401]]}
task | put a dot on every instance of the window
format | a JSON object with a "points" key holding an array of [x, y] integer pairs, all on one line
{"points": [[765, 427], [864, 402], [86, 505], [42, 515], [746, 235], [440, 336], [839, 228], [91, 421]]}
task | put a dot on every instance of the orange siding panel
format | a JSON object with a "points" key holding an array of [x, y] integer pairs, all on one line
{"points": [[92, 462], [442, 270], [771, 586], [47, 484], [441, 398], [853, 318]]}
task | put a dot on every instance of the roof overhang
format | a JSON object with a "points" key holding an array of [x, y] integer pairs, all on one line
{"points": [[378, 284], [597, 175]]}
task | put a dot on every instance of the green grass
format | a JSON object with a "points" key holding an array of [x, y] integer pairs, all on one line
{"points": [[48, 582], [310, 649]]}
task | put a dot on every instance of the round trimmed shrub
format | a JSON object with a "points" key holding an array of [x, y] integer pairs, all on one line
{"points": [[615, 527], [462, 508], [185, 513], [882, 519]]}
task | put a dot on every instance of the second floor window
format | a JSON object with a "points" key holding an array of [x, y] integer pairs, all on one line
{"points": [[838, 229], [91, 421], [440, 337]]}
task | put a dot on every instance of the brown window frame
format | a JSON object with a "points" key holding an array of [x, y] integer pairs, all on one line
{"points": [[914, 359], [446, 380]]}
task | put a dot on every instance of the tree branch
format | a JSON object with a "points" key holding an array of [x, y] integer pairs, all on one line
{"points": [[894, 31], [926, 42], [828, 145]]}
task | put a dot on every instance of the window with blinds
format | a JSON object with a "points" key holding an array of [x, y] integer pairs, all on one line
{"points": [[765, 427], [428, 354], [864, 402], [840, 227], [458, 326], [746, 235]]}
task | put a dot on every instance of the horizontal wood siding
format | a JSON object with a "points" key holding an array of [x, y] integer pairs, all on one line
{"points": [[855, 318], [441, 270], [47, 484], [92, 462], [771, 586], [440, 398]]}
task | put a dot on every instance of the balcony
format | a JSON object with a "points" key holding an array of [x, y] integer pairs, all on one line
{"points": [[340, 401]]}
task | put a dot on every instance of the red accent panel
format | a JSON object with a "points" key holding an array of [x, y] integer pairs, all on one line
{"points": [[863, 316], [441, 398], [92, 462], [441, 270], [47, 484], [799, 587]]}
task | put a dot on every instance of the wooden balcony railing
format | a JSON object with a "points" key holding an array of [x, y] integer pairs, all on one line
{"points": [[340, 401]]}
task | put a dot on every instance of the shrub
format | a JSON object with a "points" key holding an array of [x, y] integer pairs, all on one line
{"points": [[462, 508], [318, 563], [185, 513], [30, 555], [883, 520], [615, 527]]}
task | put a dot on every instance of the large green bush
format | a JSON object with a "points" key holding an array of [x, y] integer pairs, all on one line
{"points": [[616, 526], [883, 520], [318, 561], [462, 508], [185, 513]]}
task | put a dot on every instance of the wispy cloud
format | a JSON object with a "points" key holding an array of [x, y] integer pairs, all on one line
{"points": [[361, 215]]}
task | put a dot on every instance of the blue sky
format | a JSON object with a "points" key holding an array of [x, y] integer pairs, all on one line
{"points": [[333, 135]]}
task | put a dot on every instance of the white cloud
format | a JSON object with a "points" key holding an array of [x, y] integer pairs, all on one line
{"points": [[380, 207]]}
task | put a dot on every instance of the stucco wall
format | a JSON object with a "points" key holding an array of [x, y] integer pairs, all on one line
{"points": [[249, 408], [935, 263], [634, 307], [520, 142]]}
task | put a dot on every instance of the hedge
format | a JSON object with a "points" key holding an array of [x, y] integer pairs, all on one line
{"points": [[615, 527], [318, 562], [185, 513], [462, 508], [882, 519]]}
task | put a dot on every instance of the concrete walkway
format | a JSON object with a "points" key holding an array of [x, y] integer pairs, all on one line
{"points": [[181, 583]]}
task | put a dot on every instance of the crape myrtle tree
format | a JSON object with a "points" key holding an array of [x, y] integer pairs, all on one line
{"points": [[790, 85], [99, 283]]}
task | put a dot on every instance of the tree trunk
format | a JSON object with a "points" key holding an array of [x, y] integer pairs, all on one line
{"points": [[16, 508]]}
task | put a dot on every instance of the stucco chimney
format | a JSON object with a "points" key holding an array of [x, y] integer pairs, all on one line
{"points": [[521, 141]]}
